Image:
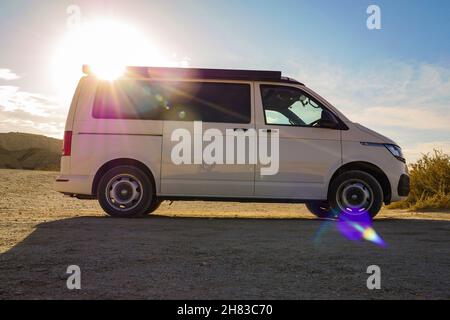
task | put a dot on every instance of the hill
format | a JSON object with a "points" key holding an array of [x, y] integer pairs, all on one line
{"points": [[29, 151]]}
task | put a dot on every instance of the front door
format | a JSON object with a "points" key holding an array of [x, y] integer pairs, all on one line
{"points": [[307, 151]]}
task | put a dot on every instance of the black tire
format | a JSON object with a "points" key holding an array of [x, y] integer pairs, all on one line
{"points": [[320, 209], [351, 188], [127, 184], [153, 206]]}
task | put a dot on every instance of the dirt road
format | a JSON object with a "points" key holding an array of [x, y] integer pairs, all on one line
{"points": [[207, 250]]}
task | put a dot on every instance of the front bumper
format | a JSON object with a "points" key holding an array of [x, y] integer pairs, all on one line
{"points": [[403, 186]]}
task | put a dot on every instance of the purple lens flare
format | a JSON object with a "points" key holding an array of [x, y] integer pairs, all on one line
{"points": [[357, 227]]}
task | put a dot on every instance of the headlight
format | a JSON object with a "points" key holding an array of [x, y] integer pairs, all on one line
{"points": [[396, 151]]}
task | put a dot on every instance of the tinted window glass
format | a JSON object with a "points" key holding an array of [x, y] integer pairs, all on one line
{"points": [[284, 105], [170, 100]]}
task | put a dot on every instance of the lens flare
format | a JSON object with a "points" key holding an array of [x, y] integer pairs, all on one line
{"points": [[355, 227], [359, 227]]}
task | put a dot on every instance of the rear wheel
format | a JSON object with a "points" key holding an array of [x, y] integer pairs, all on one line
{"points": [[125, 192], [355, 193]]}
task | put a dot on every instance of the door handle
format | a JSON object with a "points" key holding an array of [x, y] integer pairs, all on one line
{"points": [[267, 130]]}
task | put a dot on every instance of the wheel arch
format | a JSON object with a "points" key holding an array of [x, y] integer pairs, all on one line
{"points": [[119, 162], [371, 169]]}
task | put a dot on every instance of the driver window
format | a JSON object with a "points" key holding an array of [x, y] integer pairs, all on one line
{"points": [[285, 105], [275, 117]]}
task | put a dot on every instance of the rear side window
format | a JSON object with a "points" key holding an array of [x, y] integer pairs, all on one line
{"points": [[173, 100]]}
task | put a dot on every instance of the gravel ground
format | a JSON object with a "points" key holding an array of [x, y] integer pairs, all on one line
{"points": [[204, 250]]}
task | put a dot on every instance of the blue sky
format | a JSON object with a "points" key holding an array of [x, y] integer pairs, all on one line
{"points": [[395, 80]]}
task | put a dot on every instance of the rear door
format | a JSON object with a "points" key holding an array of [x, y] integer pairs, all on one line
{"points": [[204, 116], [308, 153]]}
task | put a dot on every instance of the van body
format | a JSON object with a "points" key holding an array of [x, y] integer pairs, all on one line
{"points": [[119, 144]]}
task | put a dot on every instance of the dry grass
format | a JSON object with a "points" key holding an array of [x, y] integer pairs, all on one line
{"points": [[430, 184]]}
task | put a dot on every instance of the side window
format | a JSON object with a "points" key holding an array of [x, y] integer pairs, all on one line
{"points": [[127, 99], [208, 102], [284, 105], [275, 117], [173, 100]]}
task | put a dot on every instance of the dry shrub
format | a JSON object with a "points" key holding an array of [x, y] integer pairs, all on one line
{"points": [[430, 184]]}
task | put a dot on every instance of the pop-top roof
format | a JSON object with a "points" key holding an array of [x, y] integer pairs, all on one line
{"points": [[199, 73]]}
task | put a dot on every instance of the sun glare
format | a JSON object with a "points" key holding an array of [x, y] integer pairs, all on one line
{"points": [[107, 46]]}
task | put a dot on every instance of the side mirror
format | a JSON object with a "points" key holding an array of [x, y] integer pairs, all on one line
{"points": [[328, 121]]}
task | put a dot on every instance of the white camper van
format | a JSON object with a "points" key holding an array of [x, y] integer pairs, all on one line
{"points": [[122, 144]]}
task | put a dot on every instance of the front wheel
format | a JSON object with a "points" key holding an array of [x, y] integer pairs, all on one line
{"points": [[125, 192], [320, 209], [153, 206], [355, 193]]}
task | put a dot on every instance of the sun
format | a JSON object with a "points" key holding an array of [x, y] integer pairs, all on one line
{"points": [[107, 46]]}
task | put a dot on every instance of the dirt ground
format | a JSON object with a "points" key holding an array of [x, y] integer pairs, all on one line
{"points": [[208, 250]]}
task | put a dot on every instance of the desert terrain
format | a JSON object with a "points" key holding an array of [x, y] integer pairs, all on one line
{"points": [[29, 151], [208, 250]]}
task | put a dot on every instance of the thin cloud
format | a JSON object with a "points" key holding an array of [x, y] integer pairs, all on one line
{"points": [[407, 118], [12, 98], [414, 96], [30, 112], [8, 75], [410, 101], [416, 151]]}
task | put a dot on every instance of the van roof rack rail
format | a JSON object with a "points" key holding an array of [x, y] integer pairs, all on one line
{"points": [[201, 73]]}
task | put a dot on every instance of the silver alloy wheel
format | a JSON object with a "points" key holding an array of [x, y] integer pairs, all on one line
{"points": [[124, 192], [354, 196]]}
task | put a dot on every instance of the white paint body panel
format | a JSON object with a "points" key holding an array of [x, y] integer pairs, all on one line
{"points": [[219, 180], [353, 150], [233, 180], [308, 156]]}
